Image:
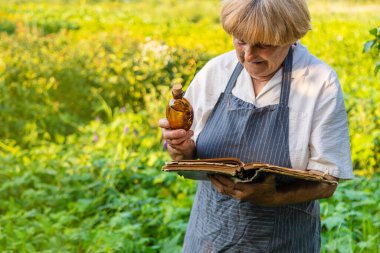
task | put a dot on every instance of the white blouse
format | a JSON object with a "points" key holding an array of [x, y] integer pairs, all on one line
{"points": [[318, 131]]}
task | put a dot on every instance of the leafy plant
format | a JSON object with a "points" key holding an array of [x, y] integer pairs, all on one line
{"points": [[100, 191], [374, 46], [351, 218]]}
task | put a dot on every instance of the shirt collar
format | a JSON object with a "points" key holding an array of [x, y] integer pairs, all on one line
{"points": [[300, 66]]}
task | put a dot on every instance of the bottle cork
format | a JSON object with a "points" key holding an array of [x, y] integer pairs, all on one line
{"points": [[177, 91]]}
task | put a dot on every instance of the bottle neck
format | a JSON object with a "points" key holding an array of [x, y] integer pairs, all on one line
{"points": [[177, 95]]}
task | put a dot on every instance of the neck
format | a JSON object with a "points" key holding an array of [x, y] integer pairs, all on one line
{"points": [[259, 82], [258, 85]]}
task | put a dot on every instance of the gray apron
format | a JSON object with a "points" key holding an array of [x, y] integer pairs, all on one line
{"points": [[220, 223]]}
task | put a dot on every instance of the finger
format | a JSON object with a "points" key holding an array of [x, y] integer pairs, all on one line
{"points": [[226, 181], [249, 186], [177, 141], [228, 186], [332, 178], [218, 186], [173, 134], [163, 123], [180, 141], [190, 133], [186, 144], [185, 150], [177, 137], [245, 186]]}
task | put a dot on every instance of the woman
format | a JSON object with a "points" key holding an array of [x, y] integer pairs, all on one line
{"points": [[271, 101]]}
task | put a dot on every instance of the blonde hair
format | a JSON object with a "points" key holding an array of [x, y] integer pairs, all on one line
{"points": [[267, 22]]}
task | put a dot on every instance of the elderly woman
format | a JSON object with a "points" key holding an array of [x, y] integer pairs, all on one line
{"points": [[271, 101]]}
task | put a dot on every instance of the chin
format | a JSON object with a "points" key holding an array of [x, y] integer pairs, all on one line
{"points": [[255, 71]]}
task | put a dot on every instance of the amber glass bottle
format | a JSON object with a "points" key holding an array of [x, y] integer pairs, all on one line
{"points": [[179, 112]]}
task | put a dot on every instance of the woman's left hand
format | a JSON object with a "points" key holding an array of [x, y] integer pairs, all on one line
{"points": [[262, 193], [266, 193]]}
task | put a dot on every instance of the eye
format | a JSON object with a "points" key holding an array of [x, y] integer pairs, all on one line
{"points": [[264, 46], [241, 43]]}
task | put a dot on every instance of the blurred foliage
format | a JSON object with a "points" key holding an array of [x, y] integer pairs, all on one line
{"points": [[82, 86], [373, 46], [60, 85], [7, 26], [97, 191]]}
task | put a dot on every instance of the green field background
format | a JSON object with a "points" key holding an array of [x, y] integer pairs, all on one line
{"points": [[82, 87]]}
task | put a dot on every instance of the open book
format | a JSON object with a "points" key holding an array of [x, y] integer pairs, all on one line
{"points": [[239, 171]]}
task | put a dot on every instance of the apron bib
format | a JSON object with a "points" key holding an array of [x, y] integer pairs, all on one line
{"points": [[220, 223]]}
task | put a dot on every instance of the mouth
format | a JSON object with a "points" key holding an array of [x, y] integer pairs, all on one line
{"points": [[256, 62]]}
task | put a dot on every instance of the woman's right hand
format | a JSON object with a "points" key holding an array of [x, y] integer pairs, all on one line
{"points": [[179, 142]]}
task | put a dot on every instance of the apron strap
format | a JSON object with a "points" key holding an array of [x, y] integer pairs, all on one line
{"points": [[286, 77], [231, 83]]}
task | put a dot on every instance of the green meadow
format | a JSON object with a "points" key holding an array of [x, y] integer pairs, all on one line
{"points": [[82, 87]]}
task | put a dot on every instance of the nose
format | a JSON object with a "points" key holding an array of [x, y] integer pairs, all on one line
{"points": [[250, 52]]}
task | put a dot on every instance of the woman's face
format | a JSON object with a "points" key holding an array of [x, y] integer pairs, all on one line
{"points": [[260, 61]]}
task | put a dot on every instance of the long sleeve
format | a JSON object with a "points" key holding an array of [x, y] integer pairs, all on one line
{"points": [[329, 141]]}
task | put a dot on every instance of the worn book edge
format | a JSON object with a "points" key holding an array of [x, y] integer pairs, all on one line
{"points": [[239, 171]]}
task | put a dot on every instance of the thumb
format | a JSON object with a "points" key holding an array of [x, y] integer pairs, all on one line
{"points": [[163, 123]]}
